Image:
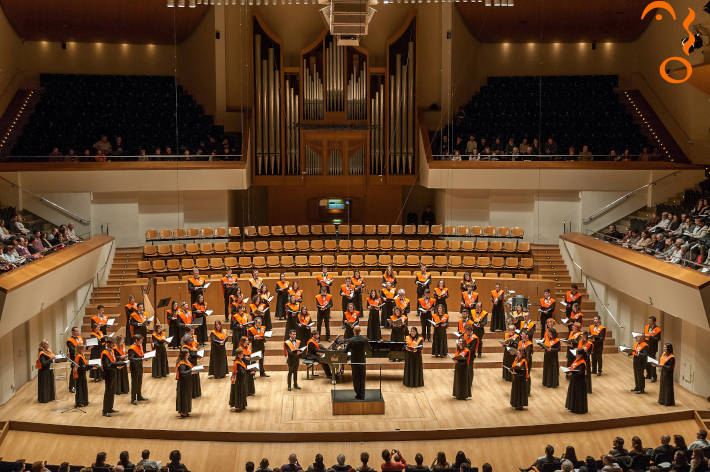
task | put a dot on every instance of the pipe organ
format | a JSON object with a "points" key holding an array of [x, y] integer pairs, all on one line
{"points": [[334, 114]]}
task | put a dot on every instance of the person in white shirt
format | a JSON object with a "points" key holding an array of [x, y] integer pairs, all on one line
{"points": [[701, 442], [16, 225], [664, 223], [700, 230], [71, 235], [4, 233]]}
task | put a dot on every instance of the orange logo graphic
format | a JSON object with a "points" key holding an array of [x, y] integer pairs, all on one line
{"points": [[686, 47]]}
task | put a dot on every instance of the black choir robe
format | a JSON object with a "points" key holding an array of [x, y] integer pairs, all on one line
{"points": [[95, 353], [196, 385], [238, 391], [440, 345], [519, 388], [551, 367], [413, 367], [462, 386], [498, 312], [508, 359], [374, 330], [666, 395], [45, 379], [160, 361], [577, 390], [183, 396], [136, 364], [218, 356], [281, 300], [81, 392]]}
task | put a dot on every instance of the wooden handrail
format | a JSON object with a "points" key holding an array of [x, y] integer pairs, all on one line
{"points": [[23, 275], [591, 165], [674, 272]]}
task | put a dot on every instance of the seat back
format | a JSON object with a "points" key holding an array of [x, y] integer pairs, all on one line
{"points": [[316, 230], [234, 232], [410, 230], [303, 230], [234, 247], [290, 230], [316, 245]]}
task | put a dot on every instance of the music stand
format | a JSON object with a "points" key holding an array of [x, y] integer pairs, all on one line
{"points": [[164, 302]]}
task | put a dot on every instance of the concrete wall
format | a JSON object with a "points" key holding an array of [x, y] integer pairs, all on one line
{"points": [[10, 60]]}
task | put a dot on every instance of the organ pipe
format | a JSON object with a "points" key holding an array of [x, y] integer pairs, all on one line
{"points": [[402, 136]]}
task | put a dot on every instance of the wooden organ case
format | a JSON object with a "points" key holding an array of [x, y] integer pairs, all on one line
{"points": [[333, 115]]}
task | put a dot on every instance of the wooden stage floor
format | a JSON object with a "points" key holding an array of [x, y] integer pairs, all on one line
{"points": [[276, 415]]}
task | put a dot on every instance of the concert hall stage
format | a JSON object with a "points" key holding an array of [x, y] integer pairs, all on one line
{"points": [[276, 415]]}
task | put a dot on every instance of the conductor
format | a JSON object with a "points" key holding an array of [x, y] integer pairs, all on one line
{"points": [[357, 346]]}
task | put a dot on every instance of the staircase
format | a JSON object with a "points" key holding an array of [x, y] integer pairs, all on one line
{"points": [[124, 270], [548, 262], [646, 213], [15, 117], [651, 126]]}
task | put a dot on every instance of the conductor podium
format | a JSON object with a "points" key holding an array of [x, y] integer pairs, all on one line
{"points": [[345, 403]]}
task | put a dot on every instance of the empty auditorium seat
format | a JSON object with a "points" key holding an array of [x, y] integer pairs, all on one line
{"points": [[303, 245], [440, 262], [316, 245], [383, 230], [396, 230], [398, 260], [328, 260], [505, 275], [343, 230], [371, 260], [177, 249], [234, 247], [454, 245], [357, 260], [249, 231], [259, 262], [412, 245], [489, 231], [287, 261], [330, 245], [289, 246], [187, 264], [495, 246], [164, 250], [275, 246], [422, 230], [449, 230], [526, 263], [412, 260], [329, 230], [516, 232], [216, 263], [468, 262], [145, 267], [166, 234], [436, 230], [426, 260], [151, 234], [440, 245], [483, 262], [235, 232], [290, 230], [159, 266], [345, 245], [150, 251], [245, 262], [317, 230], [303, 230], [314, 261], [454, 261], [356, 230], [193, 233], [409, 230], [476, 231], [497, 262], [509, 246], [206, 232], [426, 245], [220, 247], [370, 230], [467, 246], [503, 231], [277, 231], [248, 247], [172, 278], [342, 260], [261, 246], [511, 262], [358, 245], [192, 249], [383, 260], [301, 261], [202, 263], [173, 265], [231, 262], [521, 276], [399, 245], [220, 232], [462, 231], [206, 248], [386, 245], [481, 245], [523, 247], [372, 245]]}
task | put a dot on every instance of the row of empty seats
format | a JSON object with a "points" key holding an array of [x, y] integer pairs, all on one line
{"points": [[342, 260], [332, 245], [332, 230], [347, 273]]}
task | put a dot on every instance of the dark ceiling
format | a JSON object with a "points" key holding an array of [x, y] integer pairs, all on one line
{"points": [[110, 21], [557, 20]]}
